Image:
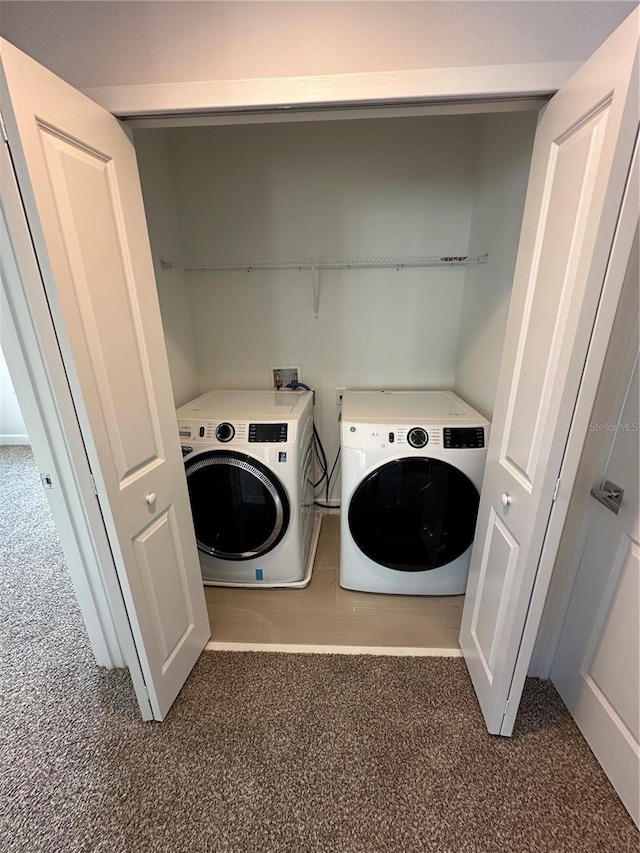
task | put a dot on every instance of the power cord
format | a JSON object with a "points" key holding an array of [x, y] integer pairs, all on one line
{"points": [[326, 476]]}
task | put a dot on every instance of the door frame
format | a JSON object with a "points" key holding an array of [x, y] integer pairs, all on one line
{"points": [[321, 97], [176, 102]]}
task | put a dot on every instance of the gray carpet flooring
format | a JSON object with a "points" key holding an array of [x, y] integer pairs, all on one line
{"points": [[266, 752]]}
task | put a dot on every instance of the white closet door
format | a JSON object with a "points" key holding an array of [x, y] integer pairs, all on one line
{"points": [[78, 177], [580, 163], [596, 668], [596, 665]]}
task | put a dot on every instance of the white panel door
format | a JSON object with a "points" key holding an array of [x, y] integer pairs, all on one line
{"points": [[78, 177], [596, 668], [579, 169]]}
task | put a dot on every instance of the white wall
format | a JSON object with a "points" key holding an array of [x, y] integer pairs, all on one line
{"points": [[435, 185], [505, 145], [109, 43], [12, 428], [160, 208], [335, 189]]}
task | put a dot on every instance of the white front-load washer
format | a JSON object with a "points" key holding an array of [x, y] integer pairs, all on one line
{"points": [[248, 459], [412, 467]]}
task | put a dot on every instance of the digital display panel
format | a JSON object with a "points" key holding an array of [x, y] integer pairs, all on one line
{"points": [[462, 438], [267, 432]]}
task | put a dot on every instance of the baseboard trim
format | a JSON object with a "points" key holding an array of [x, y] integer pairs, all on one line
{"points": [[14, 439]]}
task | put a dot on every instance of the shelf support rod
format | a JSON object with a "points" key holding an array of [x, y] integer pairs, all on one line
{"points": [[315, 286]]}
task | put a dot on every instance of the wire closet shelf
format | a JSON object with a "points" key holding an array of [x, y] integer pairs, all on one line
{"points": [[316, 265]]}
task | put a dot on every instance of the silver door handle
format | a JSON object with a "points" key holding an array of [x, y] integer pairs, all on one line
{"points": [[609, 495]]}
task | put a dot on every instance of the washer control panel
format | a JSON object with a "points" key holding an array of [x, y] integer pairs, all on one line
{"points": [[240, 432]]}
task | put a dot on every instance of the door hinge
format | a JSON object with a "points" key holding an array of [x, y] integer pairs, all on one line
{"points": [[555, 491], [3, 129]]}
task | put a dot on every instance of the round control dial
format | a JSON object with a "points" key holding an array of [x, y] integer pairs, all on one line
{"points": [[225, 432], [418, 437]]}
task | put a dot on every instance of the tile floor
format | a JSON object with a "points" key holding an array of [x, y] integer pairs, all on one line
{"points": [[325, 614]]}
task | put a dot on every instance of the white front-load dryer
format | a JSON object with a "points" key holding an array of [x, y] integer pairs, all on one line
{"points": [[412, 467], [248, 459]]}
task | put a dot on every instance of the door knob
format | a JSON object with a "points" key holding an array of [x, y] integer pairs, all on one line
{"points": [[151, 498], [506, 499]]}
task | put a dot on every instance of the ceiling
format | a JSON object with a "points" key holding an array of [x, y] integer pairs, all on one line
{"points": [[117, 43]]}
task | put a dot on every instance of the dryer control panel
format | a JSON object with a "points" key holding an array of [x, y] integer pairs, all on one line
{"points": [[213, 433], [422, 438]]}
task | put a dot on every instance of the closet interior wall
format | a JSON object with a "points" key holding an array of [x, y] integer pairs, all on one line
{"points": [[12, 427], [446, 185], [505, 145], [154, 164]]}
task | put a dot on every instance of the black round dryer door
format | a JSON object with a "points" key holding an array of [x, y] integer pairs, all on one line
{"points": [[414, 514], [240, 509]]}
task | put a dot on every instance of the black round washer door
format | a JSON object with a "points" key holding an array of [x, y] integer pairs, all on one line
{"points": [[240, 509], [414, 515]]}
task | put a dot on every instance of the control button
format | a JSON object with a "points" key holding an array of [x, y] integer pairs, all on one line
{"points": [[225, 432], [201, 432], [417, 437], [392, 438]]}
